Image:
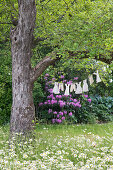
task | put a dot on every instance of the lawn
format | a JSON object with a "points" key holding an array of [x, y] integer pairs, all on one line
{"points": [[60, 147]]}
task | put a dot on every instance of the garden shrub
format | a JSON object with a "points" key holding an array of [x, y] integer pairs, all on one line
{"points": [[102, 107], [5, 84], [73, 108], [61, 108]]}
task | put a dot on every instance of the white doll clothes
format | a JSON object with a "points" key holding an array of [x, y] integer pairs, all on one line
{"points": [[67, 89], [91, 81], [56, 88], [72, 88], [98, 77], [61, 86], [111, 81], [79, 88], [85, 86]]}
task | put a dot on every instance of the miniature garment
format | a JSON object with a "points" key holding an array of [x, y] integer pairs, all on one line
{"points": [[79, 88], [111, 81], [67, 89], [98, 77], [61, 86], [104, 68], [56, 88], [85, 86], [91, 79], [72, 87]]}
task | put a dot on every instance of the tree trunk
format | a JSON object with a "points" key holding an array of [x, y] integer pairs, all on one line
{"points": [[23, 112]]}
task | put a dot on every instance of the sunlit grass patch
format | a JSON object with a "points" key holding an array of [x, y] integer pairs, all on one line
{"points": [[60, 147]]}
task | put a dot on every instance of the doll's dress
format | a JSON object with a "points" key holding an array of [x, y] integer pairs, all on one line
{"points": [[61, 86], [79, 88], [72, 88], [56, 88], [67, 89], [85, 86], [91, 81]]}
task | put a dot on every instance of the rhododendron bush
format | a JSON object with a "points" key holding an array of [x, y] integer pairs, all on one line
{"points": [[60, 108]]}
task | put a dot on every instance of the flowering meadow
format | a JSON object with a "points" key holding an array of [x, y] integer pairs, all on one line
{"points": [[62, 147]]}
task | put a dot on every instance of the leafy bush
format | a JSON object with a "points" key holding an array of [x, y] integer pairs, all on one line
{"points": [[102, 107], [61, 108], [73, 108], [5, 84]]}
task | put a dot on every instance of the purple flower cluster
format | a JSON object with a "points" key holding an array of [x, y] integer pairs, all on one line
{"points": [[62, 76], [60, 106], [62, 103], [75, 78]]}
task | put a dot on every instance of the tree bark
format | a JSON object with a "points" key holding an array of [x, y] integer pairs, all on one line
{"points": [[23, 112], [23, 76]]}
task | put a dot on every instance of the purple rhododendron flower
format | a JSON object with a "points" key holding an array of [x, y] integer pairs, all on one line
{"points": [[59, 121], [61, 113], [45, 102], [46, 74], [50, 110], [53, 101], [74, 104], [64, 81], [65, 112], [62, 104], [59, 72], [86, 96], [49, 82], [75, 100], [62, 76], [45, 78], [78, 104], [89, 100], [58, 96], [63, 118], [40, 104], [55, 112], [75, 78], [49, 101], [70, 114], [46, 87], [51, 95], [69, 82], [50, 90], [53, 121], [65, 95], [53, 78], [58, 116]]}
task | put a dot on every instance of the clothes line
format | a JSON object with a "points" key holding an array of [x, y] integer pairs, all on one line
{"points": [[76, 87]]}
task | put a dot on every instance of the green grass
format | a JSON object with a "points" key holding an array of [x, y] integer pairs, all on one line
{"points": [[60, 147]]}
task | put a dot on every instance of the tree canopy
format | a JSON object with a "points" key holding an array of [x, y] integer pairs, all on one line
{"points": [[81, 28]]}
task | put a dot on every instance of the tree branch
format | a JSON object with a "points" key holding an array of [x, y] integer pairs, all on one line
{"points": [[41, 66], [86, 55]]}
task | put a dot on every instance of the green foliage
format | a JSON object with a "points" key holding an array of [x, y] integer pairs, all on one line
{"points": [[81, 26], [5, 83], [38, 93], [102, 107], [8, 8]]}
